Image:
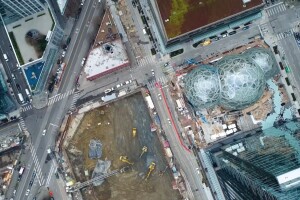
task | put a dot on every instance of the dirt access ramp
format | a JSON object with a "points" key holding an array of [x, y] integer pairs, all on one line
{"points": [[112, 125]]}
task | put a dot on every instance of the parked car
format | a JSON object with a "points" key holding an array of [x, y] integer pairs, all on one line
{"points": [[152, 71], [232, 33], [107, 91], [246, 27], [63, 54]]}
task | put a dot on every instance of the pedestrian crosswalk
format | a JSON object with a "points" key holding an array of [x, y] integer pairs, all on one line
{"points": [[22, 124], [275, 9], [60, 96], [264, 28], [26, 108], [37, 166], [75, 98], [145, 60], [285, 34], [153, 83]]}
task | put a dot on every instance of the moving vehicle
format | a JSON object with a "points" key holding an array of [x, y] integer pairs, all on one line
{"points": [[152, 71], [13, 76], [63, 54], [27, 192], [83, 61], [21, 97], [5, 57], [21, 171], [44, 132]]}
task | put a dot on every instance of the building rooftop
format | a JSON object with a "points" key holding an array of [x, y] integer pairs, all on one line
{"points": [[108, 52], [107, 31], [178, 17], [104, 58]]}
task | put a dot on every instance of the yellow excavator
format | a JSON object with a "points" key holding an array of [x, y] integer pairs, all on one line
{"points": [[144, 150], [151, 168], [125, 160]]}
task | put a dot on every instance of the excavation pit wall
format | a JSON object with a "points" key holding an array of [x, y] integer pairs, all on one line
{"points": [[112, 124]]}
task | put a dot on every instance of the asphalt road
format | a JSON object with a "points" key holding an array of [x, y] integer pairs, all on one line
{"points": [[50, 118], [10, 66]]}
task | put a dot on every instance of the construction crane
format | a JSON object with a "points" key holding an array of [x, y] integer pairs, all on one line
{"points": [[144, 150], [125, 160], [151, 168], [79, 185]]}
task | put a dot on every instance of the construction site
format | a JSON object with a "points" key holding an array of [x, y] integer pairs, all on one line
{"points": [[114, 152]]}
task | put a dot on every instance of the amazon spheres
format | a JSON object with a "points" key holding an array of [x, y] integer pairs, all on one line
{"points": [[235, 82]]}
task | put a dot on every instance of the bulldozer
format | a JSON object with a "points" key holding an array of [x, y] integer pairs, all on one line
{"points": [[144, 150], [150, 168], [125, 160]]}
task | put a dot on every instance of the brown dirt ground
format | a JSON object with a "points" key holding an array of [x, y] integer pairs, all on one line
{"points": [[200, 13], [115, 133]]}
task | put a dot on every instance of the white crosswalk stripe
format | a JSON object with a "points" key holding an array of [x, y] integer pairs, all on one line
{"points": [[273, 10], [75, 98], [37, 166], [26, 108], [22, 124], [59, 97], [264, 28], [285, 34], [152, 84], [145, 60]]}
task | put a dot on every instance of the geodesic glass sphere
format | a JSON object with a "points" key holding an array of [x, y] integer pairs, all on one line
{"points": [[202, 86], [264, 59], [242, 82]]}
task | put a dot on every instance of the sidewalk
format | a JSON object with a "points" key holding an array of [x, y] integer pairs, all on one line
{"points": [[270, 39]]}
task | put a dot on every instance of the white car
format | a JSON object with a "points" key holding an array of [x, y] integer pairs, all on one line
{"points": [[27, 192], [44, 132], [107, 91], [63, 54], [152, 71], [159, 96], [126, 82], [83, 61], [198, 170], [169, 121], [118, 86]]}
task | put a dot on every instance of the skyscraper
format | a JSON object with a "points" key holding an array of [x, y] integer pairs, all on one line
{"points": [[12, 10], [261, 166]]}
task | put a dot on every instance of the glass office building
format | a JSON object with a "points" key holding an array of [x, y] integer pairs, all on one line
{"points": [[13, 10], [264, 165]]}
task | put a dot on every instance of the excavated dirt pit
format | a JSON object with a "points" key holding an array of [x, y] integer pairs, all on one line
{"points": [[112, 125]]}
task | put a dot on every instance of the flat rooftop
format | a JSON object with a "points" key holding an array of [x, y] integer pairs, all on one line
{"points": [[107, 57], [182, 16], [108, 52]]}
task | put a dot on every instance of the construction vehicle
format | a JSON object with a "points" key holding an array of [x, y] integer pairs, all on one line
{"points": [[125, 160], [144, 150], [151, 168], [133, 132]]}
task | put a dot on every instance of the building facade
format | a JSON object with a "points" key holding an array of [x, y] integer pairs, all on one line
{"points": [[261, 165], [13, 10]]}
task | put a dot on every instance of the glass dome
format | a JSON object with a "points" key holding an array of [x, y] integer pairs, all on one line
{"points": [[235, 82], [202, 86], [264, 59], [242, 82]]}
